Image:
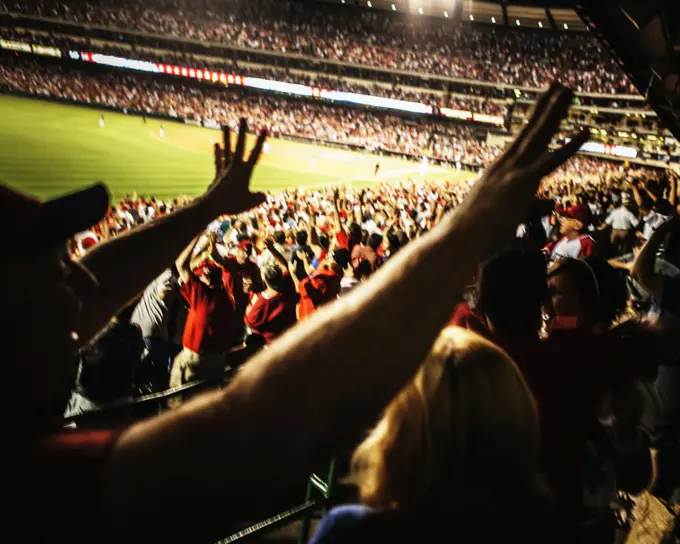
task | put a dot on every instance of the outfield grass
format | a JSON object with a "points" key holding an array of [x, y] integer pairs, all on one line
{"points": [[48, 149]]}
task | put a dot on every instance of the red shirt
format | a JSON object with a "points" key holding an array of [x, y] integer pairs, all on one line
{"points": [[211, 322], [568, 374], [465, 317], [342, 239], [318, 289], [271, 317], [233, 275]]}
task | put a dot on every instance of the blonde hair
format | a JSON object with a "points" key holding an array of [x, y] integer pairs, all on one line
{"points": [[464, 428]]}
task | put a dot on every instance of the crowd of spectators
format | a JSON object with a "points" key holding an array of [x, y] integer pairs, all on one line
{"points": [[554, 394], [300, 250], [435, 99], [363, 37], [454, 143]]}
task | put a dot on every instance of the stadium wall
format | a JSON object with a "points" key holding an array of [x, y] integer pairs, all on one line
{"points": [[209, 123]]}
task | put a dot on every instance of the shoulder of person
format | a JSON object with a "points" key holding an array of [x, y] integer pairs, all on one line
{"points": [[356, 524]]}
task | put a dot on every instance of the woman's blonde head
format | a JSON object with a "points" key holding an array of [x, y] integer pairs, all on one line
{"points": [[464, 429]]}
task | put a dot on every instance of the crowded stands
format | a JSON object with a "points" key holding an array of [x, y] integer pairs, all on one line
{"points": [[365, 37], [490, 360]]}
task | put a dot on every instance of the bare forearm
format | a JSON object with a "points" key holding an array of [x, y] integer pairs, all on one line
{"points": [[362, 357], [148, 250], [643, 268]]}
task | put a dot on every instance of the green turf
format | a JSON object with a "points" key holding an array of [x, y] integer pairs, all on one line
{"points": [[48, 149]]}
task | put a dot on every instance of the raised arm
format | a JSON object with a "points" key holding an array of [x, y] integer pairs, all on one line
{"points": [[280, 259], [323, 383], [183, 261], [154, 246], [643, 269], [673, 196], [638, 198], [336, 205]]}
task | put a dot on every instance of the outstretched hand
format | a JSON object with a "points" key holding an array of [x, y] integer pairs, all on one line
{"points": [[500, 200], [230, 191]]}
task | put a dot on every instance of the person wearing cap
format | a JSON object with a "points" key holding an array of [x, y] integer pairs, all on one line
{"points": [[574, 243], [273, 311], [622, 222], [240, 274], [210, 328], [54, 306], [323, 286], [654, 210], [347, 362]]}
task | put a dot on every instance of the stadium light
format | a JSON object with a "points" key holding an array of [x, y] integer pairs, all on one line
{"points": [[540, 24], [369, 4], [394, 8], [493, 19], [566, 26], [517, 22], [446, 14], [472, 17], [420, 10]]}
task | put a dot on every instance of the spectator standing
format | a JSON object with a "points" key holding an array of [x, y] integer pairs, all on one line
{"points": [[240, 275], [622, 222], [466, 422], [273, 311], [303, 255], [573, 243], [323, 286], [155, 315], [368, 252], [666, 291], [210, 329]]}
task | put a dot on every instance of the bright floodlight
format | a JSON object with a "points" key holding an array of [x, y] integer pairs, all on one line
{"points": [[540, 24], [446, 14], [517, 22], [369, 4], [493, 19], [394, 8], [566, 26], [472, 17], [420, 10]]}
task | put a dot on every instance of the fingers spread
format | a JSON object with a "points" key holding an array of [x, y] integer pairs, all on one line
{"points": [[219, 158], [226, 145], [541, 105], [536, 142], [241, 141], [257, 150], [549, 162]]}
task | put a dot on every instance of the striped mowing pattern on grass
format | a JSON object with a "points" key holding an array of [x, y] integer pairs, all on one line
{"points": [[48, 149]]}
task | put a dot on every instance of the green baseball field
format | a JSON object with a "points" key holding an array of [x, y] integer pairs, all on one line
{"points": [[47, 149]]}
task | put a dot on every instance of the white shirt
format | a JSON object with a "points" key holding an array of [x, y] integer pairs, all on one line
{"points": [[567, 249], [622, 219], [652, 221]]}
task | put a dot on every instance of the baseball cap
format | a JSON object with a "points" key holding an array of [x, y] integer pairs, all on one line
{"points": [[579, 212], [34, 224], [246, 245]]}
